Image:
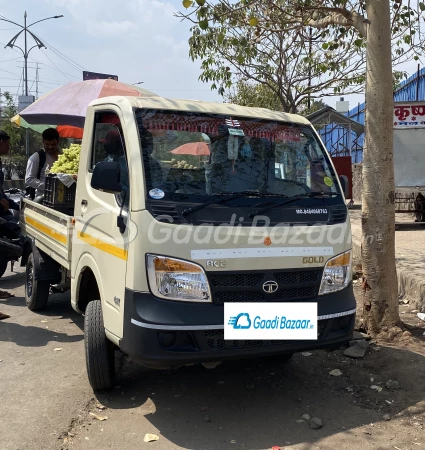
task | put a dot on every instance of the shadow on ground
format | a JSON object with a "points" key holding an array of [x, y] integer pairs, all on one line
{"points": [[256, 404], [58, 308], [12, 280]]}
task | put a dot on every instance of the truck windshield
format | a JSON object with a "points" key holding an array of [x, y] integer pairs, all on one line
{"points": [[192, 156]]}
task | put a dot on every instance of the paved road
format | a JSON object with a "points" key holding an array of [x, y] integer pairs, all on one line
{"points": [[45, 395], [42, 390]]}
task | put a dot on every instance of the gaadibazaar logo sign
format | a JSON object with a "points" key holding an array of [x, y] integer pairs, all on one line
{"points": [[409, 115], [270, 321]]}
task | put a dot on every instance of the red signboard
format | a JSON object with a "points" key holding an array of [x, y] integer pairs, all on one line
{"points": [[409, 115]]}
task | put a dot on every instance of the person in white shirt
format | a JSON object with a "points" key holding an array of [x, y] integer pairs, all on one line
{"points": [[35, 175]]}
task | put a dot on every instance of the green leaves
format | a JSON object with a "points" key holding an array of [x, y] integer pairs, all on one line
{"points": [[203, 24], [268, 42]]}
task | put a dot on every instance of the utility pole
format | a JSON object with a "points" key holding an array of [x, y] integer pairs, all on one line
{"points": [[36, 83], [26, 51], [309, 67]]}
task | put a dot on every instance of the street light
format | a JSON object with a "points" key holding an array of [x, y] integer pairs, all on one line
{"points": [[25, 52], [139, 82]]}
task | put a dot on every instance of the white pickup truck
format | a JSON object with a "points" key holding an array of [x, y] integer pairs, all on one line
{"points": [[160, 241]]}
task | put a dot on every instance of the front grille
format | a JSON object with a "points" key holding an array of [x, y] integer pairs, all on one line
{"points": [[289, 294], [339, 215], [215, 339], [238, 296], [247, 286], [241, 279], [309, 276], [165, 213]]}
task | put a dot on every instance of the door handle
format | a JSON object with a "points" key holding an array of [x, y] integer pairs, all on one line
{"points": [[84, 203]]}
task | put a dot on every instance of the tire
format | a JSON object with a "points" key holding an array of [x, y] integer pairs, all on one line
{"points": [[36, 291], [3, 265], [100, 361]]}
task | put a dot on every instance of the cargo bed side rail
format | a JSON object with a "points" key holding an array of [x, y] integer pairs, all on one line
{"points": [[52, 230]]}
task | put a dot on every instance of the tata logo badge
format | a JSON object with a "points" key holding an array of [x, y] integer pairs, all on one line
{"points": [[267, 241], [269, 287], [220, 264]]}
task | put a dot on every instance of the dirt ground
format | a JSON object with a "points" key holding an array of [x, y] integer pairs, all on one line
{"points": [[47, 404], [259, 404]]}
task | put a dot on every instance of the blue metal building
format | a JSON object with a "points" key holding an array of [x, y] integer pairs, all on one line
{"points": [[339, 141]]}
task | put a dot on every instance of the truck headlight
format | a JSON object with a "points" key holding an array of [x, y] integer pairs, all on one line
{"points": [[337, 274], [174, 279]]}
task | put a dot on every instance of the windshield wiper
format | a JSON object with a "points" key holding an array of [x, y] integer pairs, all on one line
{"points": [[217, 201], [293, 199]]}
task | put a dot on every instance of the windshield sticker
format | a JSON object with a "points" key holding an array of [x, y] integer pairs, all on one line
{"points": [[328, 181], [156, 193]]}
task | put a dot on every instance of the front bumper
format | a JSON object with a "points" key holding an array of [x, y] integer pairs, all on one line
{"points": [[162, 333]]}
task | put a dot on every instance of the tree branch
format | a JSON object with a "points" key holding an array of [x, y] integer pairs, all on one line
{"points": [[346, 18]]}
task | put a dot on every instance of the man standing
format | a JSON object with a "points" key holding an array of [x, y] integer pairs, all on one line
{"points": [[5, 202], [38, 162]]}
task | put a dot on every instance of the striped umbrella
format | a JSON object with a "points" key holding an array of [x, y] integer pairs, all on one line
{"points": [[65, 107]]}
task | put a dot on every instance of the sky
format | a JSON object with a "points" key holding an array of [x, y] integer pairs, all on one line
{"points": [[138, 40]]}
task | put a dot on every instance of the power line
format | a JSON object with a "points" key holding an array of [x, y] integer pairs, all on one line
{"points": [[66, 60], [50, 67], [47, 56], [20, 81], [8, 60], [11, 73], [70, 61]]}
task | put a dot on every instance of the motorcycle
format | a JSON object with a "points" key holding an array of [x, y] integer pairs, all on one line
{"points": [[11, 242]]}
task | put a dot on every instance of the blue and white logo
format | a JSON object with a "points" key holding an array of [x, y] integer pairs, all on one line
{"points": [[241, 321], [270, 320]]}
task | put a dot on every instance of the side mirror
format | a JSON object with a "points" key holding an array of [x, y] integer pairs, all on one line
{"points": [[106, 177], [344, 184]]}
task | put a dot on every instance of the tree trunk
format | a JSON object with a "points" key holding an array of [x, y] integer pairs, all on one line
{"points": [[378, 211]]}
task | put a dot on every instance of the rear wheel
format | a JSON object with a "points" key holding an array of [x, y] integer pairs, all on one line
{"points": [[36, 291], [100, 360]]}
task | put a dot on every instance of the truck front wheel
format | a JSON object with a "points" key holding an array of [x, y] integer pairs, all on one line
{"points": [[36, 291], [100, 360]]}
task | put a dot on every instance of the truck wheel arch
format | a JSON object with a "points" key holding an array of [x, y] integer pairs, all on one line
{"points": [[28, 249], [87, 286]]}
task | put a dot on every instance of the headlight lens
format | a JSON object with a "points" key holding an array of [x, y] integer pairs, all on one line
{"points": [[337, 274], [174, 279]]}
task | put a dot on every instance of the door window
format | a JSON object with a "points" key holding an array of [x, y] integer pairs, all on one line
{"points": [[109, 145]]}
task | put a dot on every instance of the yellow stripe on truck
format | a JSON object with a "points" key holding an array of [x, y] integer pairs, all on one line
{"points": [[46, 230], [105, 247]]}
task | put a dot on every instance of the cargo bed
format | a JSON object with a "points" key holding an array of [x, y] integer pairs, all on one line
{"points": [[52, 230]]}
